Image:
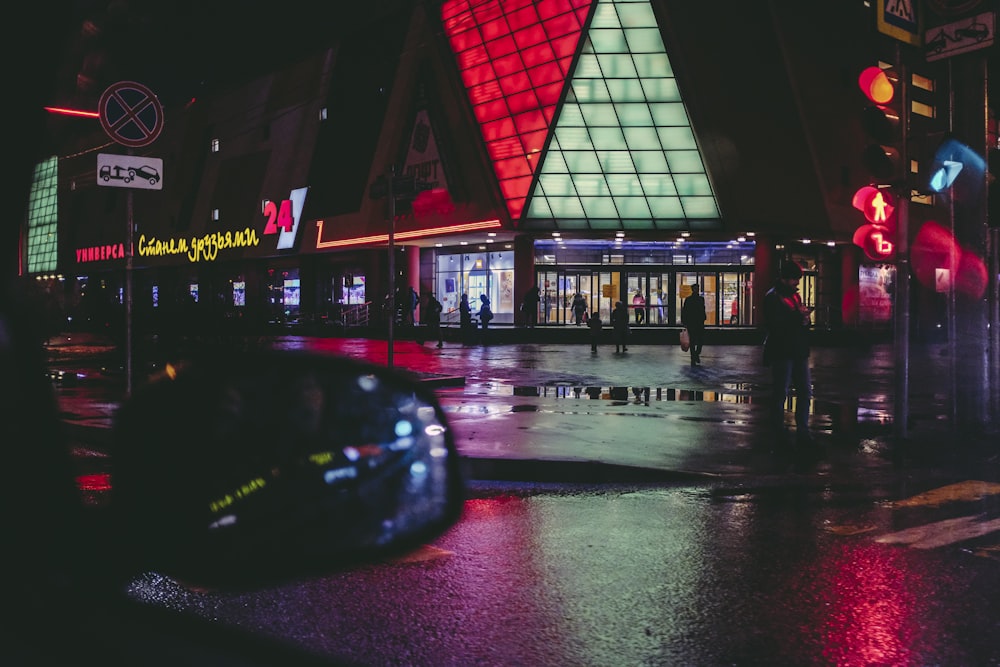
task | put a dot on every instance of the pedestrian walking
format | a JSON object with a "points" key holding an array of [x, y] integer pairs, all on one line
{"points": [[414, 302], [640, 308], [530, 306], [595, 324], [579, 308], [431, 313], [485, 313], [619, 326], [786, 351], [693, 318], [465, 319]]}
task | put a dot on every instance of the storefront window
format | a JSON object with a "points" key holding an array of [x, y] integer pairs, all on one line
{"points": [[475, 273]]}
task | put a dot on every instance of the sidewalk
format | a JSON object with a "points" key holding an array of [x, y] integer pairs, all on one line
{"points": [[557, 412]]}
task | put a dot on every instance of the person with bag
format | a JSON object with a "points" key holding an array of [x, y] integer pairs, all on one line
{"points": [[693, 318], [786, 351]]}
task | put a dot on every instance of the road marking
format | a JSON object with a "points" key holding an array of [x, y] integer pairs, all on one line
{"points": [[941, 533], [959, 492]]}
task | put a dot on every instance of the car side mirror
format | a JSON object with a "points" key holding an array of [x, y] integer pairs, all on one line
{"points": [[241, 470]]}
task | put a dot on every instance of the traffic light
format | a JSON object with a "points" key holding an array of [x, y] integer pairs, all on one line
{"points": [[879, 208], [881, 120], [951, 159]]}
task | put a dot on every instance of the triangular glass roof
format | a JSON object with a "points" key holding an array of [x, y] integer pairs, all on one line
{"points": [[621, 153]]}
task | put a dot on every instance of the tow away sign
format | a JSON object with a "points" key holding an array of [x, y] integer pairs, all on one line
{"points": [[128, 171]]}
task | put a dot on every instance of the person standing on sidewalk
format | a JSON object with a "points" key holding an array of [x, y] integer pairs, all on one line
{"points": [[465, 319], [693, 318], [485, 313], [530, 306], [595, 324], [432, 317], [786, 351], [619, 326]]}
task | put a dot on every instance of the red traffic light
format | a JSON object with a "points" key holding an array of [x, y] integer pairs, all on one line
{"points": [[876, 85], [875, 242], [878, 206]]}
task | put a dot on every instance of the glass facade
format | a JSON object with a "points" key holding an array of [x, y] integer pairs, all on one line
{"points": [[475, 273], [43, 218], [652, 279]]}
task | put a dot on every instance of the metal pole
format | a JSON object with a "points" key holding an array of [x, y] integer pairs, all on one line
{"points": [[392, 264], [129, 233], [902, 314]]}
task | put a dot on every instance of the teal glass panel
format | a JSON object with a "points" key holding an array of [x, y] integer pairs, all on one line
{"points": [[608, 40], [641, 137], [658, 185], [600, 207], [665, 207], [625, 90], [693, 184], [632, 207], [608, 138], [566, 207], [582, 162], [699, 207], [650, 162], [685, 162], [624, 185], [623, 153]]}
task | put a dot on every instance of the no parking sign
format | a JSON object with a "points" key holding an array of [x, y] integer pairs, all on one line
{"points": [[131, 114]]}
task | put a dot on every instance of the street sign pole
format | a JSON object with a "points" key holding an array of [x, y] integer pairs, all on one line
{"points": [[902, 293], [128, 291], [390, 176]]}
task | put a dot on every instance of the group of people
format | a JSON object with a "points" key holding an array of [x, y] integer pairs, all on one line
{"points": [[432, 308], [786, 346]]}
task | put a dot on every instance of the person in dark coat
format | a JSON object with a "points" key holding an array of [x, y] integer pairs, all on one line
{"points": [[530, 305], [786, 351], [693, 318], [432, 318], [619, 326], [465, 319], [485, 313], [595, 324], [579, 308]]}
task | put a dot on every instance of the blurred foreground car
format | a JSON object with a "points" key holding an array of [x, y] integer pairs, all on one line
{"points": [[230, 472]]}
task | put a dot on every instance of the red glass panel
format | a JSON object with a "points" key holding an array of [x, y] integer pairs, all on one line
{"points": [[516, 187], [534, 141], [508, 64], [545, 74], [529, 36], [515, 83], [522, 18], [564, 47], [473, 57], [522, 102], [504, 149], [516, 32], [548, 95], [514, 167], [476, 75], [530, 121], [501, 46], [463, 40], [495, 29], [561, 25], [485, 92], [498, 129], [550, 8], [537, 55], [491, 111]]}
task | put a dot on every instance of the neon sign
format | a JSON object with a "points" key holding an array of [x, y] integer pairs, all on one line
{"points": [[204, 248]]}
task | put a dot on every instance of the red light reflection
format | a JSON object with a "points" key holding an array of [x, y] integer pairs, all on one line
{"points": [[939, 261], [98, 482]]}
